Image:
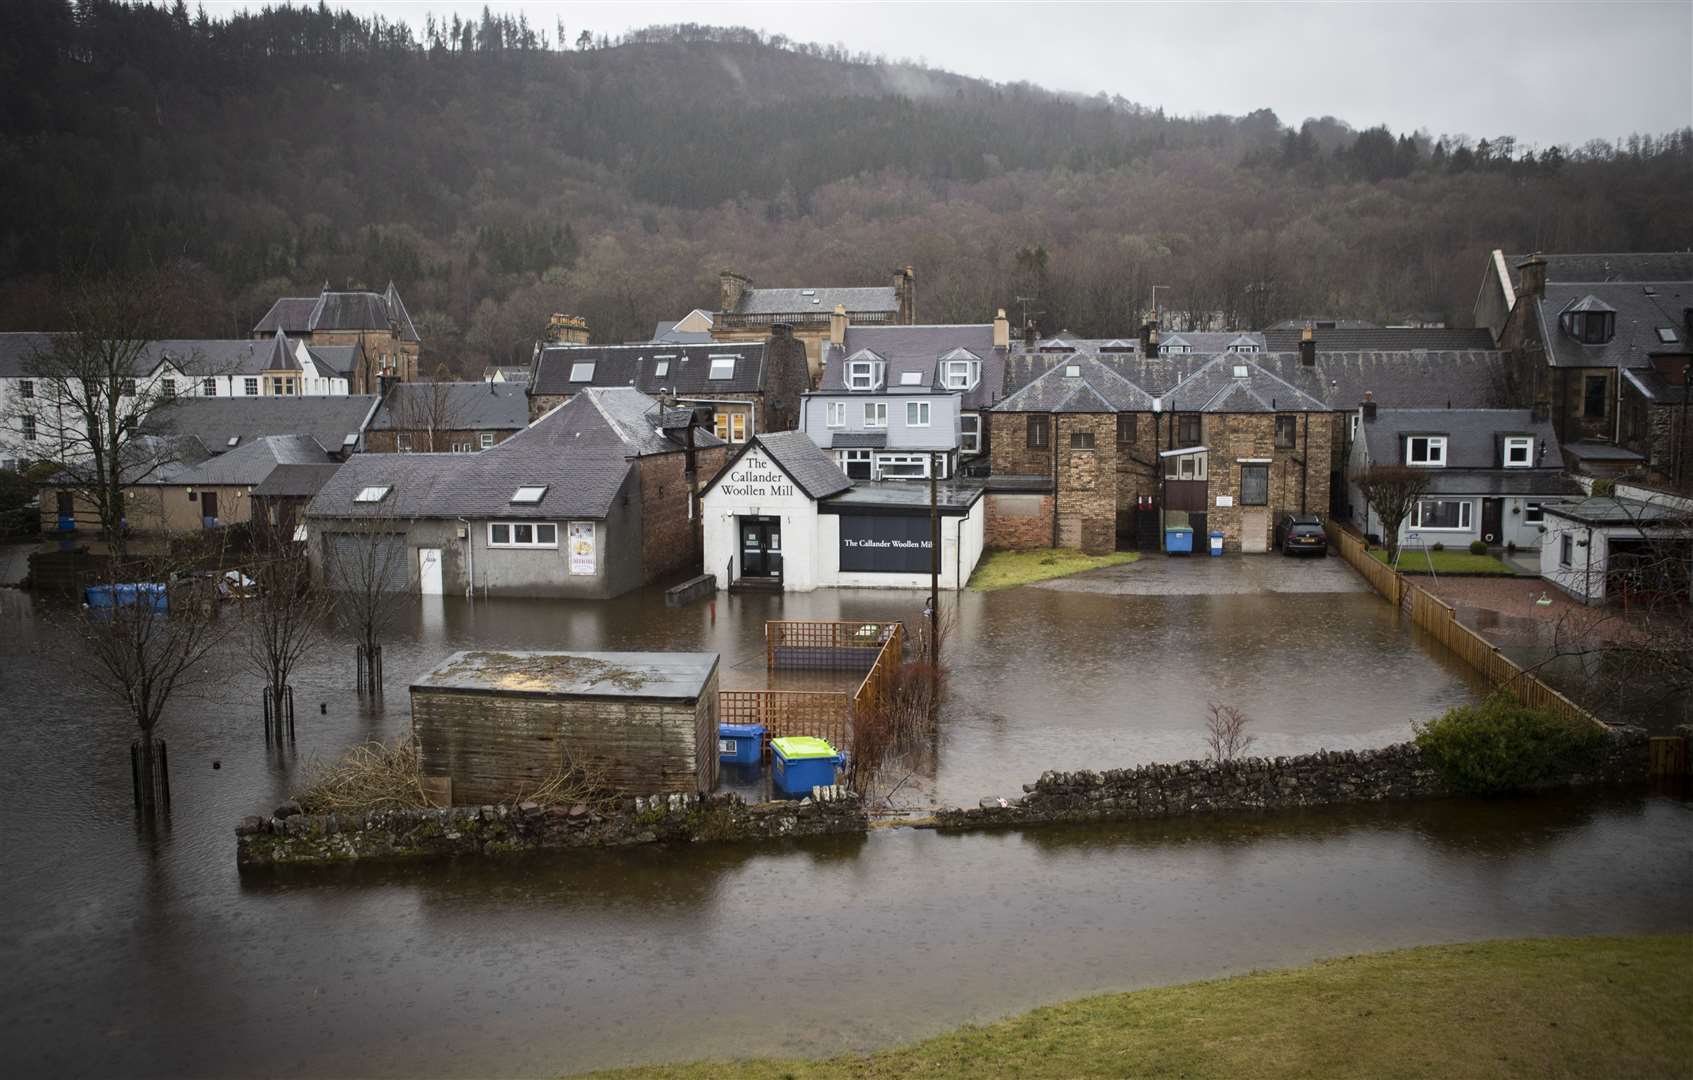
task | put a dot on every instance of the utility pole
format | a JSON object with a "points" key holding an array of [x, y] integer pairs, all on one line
{"points": [[934, 561]]}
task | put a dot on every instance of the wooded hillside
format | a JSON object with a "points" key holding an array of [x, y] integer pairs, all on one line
{"points": [[496, 177]]}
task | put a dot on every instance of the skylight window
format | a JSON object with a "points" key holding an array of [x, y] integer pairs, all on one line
{"points": [[1241, 371], [234, 439], [529, 496], [722, 367], [1666, 335], [661, 369], [374, 494], [1072, 371], [911, 378], [582, 372]]}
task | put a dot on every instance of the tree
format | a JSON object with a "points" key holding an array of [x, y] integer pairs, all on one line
{"points": [[280, 624], [367, 568], [1225, 732], [426, 413], [585, 40], [1392, 492]]}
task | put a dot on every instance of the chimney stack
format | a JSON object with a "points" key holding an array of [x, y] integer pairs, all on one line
{"points": [[905, 291], [565, 329], [838, 325], [1001, 330], [1368, 409], [1308, 348], [1533, 271], [1149, 336], [730, 288], [1539, 412], [1029, 335]]}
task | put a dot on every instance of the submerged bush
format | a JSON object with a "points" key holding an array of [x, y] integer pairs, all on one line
{"points": [[1502, 745]]}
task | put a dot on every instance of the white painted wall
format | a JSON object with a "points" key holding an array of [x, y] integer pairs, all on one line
{"points": [[749, 490], [954, 573]]}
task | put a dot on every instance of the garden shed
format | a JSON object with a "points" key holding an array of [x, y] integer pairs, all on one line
{"points": [[492, 726]]}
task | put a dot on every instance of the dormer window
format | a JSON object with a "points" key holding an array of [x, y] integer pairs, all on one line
{"points": [[1519, 452], [1244, 345], [1175, 345], [863, 374], [962, 374], [1428, 451], [1590, 321]]}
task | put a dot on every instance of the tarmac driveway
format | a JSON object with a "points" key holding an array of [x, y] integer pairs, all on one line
{"points": [[1156, 574]]}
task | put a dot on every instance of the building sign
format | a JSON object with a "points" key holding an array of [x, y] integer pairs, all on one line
{"points": [[757, 477], [581, 540], [1225, 500], [885, 545]]}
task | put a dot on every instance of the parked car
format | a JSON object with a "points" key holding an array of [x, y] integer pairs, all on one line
{"points": [[1298, 533]]}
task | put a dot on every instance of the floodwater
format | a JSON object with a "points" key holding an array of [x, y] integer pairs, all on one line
{"points": [[132, 953]]}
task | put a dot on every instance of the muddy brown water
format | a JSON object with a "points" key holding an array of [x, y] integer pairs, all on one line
{"points": [[129, 953]]}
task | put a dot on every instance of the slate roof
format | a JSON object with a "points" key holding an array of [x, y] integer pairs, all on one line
{"points": [[18, 347], [860, 440], [1614, 266], [1498, 482], [295, 481], [1473, 436], [1654, 387], [1232, 383], [1594, 450], [881, 298], [1383, 339], [339, 311], [688, 368], [508, 372], [954, 498], [1298, 324], [215, 420], [1639, 315], [666, 333], [251, 463], [920, 350], [581, 452], [456, 406], [814, 471], [1610, 510], [337, 360], [1095, 388]]}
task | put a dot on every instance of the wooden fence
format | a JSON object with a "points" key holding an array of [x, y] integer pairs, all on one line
{"points": [[821, 713], [833, 645], [872, 693], [1441, 621]]}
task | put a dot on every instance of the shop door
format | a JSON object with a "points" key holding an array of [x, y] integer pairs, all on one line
{"points": [[761, 548]]}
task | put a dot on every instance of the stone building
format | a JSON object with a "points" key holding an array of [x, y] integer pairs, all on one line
{"points": [[746, 313], [447, 417], [375, 325]]}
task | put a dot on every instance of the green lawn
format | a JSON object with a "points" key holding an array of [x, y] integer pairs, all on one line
{"points": [[1003, 569], [1590, 1008], [1416, 560]]}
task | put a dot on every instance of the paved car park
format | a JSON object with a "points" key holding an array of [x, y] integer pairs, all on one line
{"points": [[1157, 574]]}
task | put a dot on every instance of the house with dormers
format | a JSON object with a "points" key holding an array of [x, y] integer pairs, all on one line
{"points": [[1491, 472], [373, 328]]}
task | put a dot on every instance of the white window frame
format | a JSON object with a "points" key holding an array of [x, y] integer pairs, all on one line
{"points": [[661, 369], [917, 414], [847, 458], [485, 439], [375, 493], [875, 414], [1534, 512], [29, 432], [961, 374], [512, 527], [738, 427], [1188, 466], [884, 461], [861, 375], [969, 433], [1466, 508], [26, 388], [1431, 444], [581, 371], [462, 448], [835, 414], [722, 369], [209, 387], [167, 388], [1523, 443], [250, 384], [402, 442]]}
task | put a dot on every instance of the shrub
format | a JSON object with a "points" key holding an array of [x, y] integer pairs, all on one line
{"points": [[1604, 487], [1478, 547], [1438, 546], [1502, 745]]}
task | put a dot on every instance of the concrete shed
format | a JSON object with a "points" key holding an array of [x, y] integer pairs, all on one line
{"points": [[492, 725]]}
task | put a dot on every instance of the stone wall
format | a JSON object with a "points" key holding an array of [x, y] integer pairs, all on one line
{"points": [[1018, 521], [670, 534], [288, 836]]}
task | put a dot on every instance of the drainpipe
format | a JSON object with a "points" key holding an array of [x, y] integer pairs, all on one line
{"points": [[1055, 480], [470, 557], [1587, 585], [1304, 463]]}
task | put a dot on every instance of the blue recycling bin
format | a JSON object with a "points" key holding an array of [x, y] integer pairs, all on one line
{"points": [[1216, 543], [1178, 540], [740, 744], [799, 763]]}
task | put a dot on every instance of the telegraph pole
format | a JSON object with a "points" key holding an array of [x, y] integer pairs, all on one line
{"points": [[934, 561]]}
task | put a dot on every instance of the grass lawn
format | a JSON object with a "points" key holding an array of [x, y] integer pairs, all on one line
{"points": [[1593, 1008], [1003, 569], [1415, 561]]}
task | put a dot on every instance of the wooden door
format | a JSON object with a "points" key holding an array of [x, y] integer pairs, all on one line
{"points": [[1492, 520]]}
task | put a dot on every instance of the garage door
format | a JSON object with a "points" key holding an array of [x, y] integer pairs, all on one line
{"points": [[355, 562]]}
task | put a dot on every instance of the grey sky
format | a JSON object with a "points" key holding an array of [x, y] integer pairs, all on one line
{"points": [[1545, 72]]}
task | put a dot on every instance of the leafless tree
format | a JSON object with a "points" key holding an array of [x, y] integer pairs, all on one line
{"points": [[280, 623], [426, 413], [1392, 492], [1226, 737], [367, 566]]}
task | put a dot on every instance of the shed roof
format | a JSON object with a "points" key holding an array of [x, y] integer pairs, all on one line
{"points": [[670, 676], [1611, 510]]}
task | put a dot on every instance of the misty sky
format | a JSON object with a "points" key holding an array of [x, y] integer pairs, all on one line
{"points": [[1545, 72]]}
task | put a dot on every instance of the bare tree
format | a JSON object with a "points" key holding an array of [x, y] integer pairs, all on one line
{"points": [[367, 566], [1225, 732], [149, 645], [426, 413], [1392, 491], [280, 623]]}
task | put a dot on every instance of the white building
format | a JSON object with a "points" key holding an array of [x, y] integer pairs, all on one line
{"points": [[781, 515], [1602, 547]]}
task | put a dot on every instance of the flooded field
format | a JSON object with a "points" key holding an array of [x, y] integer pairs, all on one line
{"points": [[149, 955]]}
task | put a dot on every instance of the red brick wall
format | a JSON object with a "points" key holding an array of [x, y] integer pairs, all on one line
{"points": [[1009, 527], [670, 542]]}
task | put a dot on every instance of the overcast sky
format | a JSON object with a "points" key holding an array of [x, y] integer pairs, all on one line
{"points": [[1545, 72]]}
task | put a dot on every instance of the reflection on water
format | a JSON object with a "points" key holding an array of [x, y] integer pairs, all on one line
{"points": [[149, 955]]}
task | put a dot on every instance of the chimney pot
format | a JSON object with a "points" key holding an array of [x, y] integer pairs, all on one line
{"points": [[1533, 270], [1307, 347], [1368, 408]]}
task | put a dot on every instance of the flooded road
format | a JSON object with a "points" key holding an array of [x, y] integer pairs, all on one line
{"points": [[150, 955]]}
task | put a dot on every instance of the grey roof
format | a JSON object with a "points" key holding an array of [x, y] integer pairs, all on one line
{"points": [[19, 347], [1300, 323], [1229, 383], [1614, 266], [1641, 309], [666, 333], [338, 359], [1609, 510], [454, 406], [290, 314], [1594, 450], [687, 368], [295, 481], [662, 675], [1383, 339], [1232, 383], [858, 439], [921, 349], [327, 419], [508, 372], [787, 301], [339, 311], [253, 462], [581, 452], [1473, 436], [1497, 482], [814, 471], [952, 497], [1095, 388], [1654, 386]]}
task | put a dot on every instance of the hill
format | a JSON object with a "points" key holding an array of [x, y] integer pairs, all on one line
{"points": [[496, 177]]}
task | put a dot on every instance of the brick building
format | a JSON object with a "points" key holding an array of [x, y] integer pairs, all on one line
{"points": [[746, 313], [375, 326], [447, 417]]}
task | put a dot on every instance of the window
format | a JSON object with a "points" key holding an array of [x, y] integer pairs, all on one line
{"points": [[1591, 327], [1072, 371], [911, 378], [1442, 514], [209, 387], [837, 414], [1081, 440], [1287, 432], [1352, 426], [522, 534], [1245, 347], [26, 388], [855, 463], [903, 466], [1241, 371], [461, 448], [1595, 392], [861, 375], [722, 367], [284, 387], [1126, 424], [1186, 467], [738, 427], [251, 387], [875, 414], [960, 374], [1174, 349], [582, 372], [1188, 430], [1666, 336], [167, 388], [29, 428], [1039, 434], [917, 414], [529, 494], [969, 434], [1519, 452], [402, 441], [1254, 485], [1429, 450], [373, 494], [1566, 550], [485, 439], [129, 388], [1532, 513], [661, 369]]}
